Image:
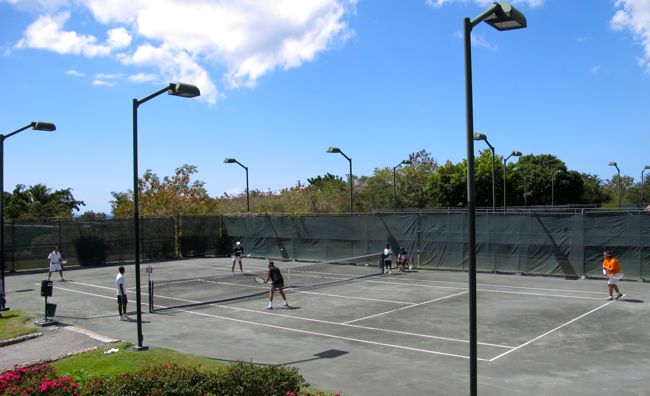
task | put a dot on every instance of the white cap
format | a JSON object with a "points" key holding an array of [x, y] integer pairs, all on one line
{"points": [[238, 243]]}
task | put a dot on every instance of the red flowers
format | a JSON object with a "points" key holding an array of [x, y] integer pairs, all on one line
{"points": [[39, 379]]}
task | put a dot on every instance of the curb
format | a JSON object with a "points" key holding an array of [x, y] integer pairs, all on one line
{"points": [[16, 340]]}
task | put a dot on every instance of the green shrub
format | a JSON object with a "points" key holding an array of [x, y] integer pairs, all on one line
{"points": [[240, 379], [249, 379], [91, 249]]}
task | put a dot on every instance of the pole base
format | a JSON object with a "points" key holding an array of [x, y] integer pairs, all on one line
{"points": [[139, 348], [46, 322]]}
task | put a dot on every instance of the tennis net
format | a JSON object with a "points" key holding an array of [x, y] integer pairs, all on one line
{"points": [[220, 288]]}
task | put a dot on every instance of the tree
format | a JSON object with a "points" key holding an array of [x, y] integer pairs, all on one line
{"points": [[413, 179], [171, 196], [38, 201], [448, 185]]}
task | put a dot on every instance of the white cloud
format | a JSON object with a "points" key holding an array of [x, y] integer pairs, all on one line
{"points": [[238, 40], [46, 33], [74, 73], [103, 83], [143, 77], [634, 15], [105, 76], [595, 69], [118, 38]]}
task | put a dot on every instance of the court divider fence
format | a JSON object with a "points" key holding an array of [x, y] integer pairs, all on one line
{"points": [[568, 244]]}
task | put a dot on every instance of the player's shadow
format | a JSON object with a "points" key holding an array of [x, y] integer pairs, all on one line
{"points": [[328, 354], [631, 300]]}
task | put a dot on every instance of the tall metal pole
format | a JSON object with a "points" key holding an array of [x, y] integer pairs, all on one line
{"points": [[642, 181], [136, 227], [2, 218], [494, 177], [248, 198], [394, 189], [471, 210], [350, 160]]}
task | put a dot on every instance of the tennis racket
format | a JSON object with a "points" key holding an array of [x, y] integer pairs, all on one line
{"points": [[259, 279]]}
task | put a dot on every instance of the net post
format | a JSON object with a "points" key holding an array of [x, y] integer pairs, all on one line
{"points": [[151, 296]]}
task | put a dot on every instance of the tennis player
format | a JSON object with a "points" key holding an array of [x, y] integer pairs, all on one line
{"points": [[238, 252], [277, 283], [402, 259], [612, 269], [120, 291], [55, 263]]}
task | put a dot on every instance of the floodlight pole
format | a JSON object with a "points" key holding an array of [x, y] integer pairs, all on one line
{"points": [[553, 187], [234, 161], [182, 90], [37, 126], [338, 150], [404, 162], [642, 180], [620, 194], [525, 190], [480, 136], [505, 161], [501, 16]]}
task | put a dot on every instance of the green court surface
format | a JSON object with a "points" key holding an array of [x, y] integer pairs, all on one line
{"points": [[404, 333]]}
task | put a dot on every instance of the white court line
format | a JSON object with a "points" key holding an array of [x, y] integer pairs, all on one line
{"points": [[350, 297], [305, 319], [351, 325], [410, 306], [550, 331], [332, 336], [511, 287], [539, 294], [304, 331]]}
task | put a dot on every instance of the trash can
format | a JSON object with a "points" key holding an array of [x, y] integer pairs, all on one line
{"points": [[50, 310]]}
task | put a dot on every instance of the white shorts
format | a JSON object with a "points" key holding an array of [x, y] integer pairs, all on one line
{"points": [[55, 267], [236, 259], [612, 280]]}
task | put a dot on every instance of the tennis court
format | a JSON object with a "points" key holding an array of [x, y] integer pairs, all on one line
{"points": [[383, 334]]}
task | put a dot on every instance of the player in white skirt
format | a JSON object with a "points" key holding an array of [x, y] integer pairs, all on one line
{"points": [[55, 263]]}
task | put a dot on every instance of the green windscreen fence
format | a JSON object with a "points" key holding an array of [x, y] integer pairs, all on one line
{"points": [[542, 243]]}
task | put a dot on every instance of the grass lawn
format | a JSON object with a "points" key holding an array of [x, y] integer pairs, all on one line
{"points": [[15, 324], [96, 363], [86, 366]]}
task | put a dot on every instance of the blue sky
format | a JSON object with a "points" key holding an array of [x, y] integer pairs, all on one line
{"points": [[281, 81]]}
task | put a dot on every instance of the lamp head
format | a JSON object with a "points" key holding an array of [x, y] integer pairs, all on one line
{"points": [[612, 163], [43, 126], [517, 154], [646, 167], [506, 17], [230, 161], [333, 150], [184, 90], [407, 162], [479, 136]]}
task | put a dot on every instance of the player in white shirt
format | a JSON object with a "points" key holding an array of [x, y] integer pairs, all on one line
{"points": [[120, 290], [55, 263]]}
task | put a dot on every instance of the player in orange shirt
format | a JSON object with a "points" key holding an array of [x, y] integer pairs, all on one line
{"points": [[612, 269]]}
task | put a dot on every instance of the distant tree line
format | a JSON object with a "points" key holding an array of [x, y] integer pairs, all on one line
{"points": [[533, 180]]}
